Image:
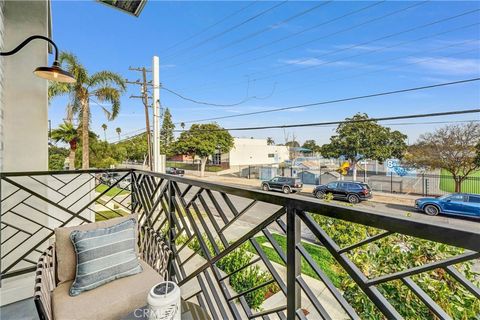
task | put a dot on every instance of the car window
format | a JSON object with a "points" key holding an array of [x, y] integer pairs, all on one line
{"points": [[354, 186], [274, 180], [342, 185], [456, 197], [281, 179], [474, 199], [332, 185]]}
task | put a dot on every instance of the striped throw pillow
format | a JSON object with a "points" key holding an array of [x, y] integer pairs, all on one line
{"points": [[104, 255]]}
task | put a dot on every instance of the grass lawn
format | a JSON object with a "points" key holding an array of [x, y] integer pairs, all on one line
{"points": [[112, 192], [321, 256], [108, 214], [469, 186]]}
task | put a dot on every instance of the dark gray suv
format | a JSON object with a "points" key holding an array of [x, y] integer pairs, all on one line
{"points": [[284, 184]]}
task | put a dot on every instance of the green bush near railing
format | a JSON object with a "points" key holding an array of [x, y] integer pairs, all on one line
{"points": [[399, 252], [243, 280]]}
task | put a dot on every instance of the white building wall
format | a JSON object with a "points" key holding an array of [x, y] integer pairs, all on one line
{"points": [[25, 99], [23, 114], [256, 152]]}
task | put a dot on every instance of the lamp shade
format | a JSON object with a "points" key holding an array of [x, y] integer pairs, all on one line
{"points": [[54, 73]]}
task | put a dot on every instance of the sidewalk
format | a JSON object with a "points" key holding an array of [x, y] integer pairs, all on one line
{"points": [[381, 197]]}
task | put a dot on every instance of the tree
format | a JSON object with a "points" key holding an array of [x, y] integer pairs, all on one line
{"points": [[56, 157], [104, 86], [292, 144], [118, 131], [312, 145], [67, 133], [454, 148], [104, 127], [270, 141], [204, 140], [166, 133], [362, 138]]}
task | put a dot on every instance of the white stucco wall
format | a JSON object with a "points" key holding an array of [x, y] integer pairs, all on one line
{"points": [[255, 152], [25, 100], [23, 119]]}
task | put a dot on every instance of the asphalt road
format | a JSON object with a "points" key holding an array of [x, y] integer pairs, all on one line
{"points": [[260, 211]]}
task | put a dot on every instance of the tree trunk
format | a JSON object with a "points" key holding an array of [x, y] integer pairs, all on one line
{"points": [[85, 142], [203, 161], [458, 185], [71, 159], [354, 164]]}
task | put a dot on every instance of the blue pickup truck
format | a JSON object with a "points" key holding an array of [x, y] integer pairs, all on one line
{"points": [[462, 204]]}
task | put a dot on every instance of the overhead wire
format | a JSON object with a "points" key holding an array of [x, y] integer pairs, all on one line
{"points": [[230, 29], [378, 94]]}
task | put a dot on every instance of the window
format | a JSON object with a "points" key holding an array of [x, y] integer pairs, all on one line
{"points": [[271, 155], [332, 185], [354, 186], [274, 180], [474, 199], [456, 197]]}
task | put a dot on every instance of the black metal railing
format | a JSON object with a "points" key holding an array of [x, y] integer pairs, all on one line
{"points": [[283, 239]]}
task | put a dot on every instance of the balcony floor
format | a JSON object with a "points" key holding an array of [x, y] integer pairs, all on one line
{"points": [[24, 310]]}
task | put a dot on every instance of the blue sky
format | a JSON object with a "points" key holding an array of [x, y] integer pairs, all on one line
{"points": [[294, 53]]}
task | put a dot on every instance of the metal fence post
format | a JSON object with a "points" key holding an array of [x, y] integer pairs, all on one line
{"points": [[171, 211], [248, 172], [391, 182], [293, 263], [423, 184]]}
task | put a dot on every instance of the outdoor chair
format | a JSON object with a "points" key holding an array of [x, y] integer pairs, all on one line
{"points": [[113, 300]]}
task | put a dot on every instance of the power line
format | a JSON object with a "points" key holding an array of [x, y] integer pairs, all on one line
{"points": [[263, 30], [365, 43], [211, 26], [195, 46], [339, 100], [362, 44], [206, 103], [294, 34], [333, 125], [319, 124]]}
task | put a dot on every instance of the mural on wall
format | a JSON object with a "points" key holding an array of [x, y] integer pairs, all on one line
{"points": [[395, 168]]}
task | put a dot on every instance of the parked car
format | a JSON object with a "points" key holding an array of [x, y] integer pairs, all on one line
{"points": [[284, 184], [125, 183], [352, 191], [109, 178], [175, 171], [463, 204]]}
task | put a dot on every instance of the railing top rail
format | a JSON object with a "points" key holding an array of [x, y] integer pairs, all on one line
{"points": [[465, 237], [56, 172]]}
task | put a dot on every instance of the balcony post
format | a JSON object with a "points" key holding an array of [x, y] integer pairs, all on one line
{"points": [[293, 262], [171, 211]]}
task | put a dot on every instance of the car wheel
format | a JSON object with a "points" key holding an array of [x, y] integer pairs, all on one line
{"points": [[286, 190], [353, 199], [265, 187], [320, 194], [431, 210]]}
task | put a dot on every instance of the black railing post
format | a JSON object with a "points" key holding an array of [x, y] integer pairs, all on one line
{"points": [[391, 181], [293, 263], [133, 191], [171, 211], [423, 184]]}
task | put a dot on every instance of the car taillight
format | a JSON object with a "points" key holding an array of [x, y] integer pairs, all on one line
{"points": [[365, 191]]}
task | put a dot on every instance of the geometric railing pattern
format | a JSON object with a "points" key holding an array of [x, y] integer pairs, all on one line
{"points": [[33, 204], [206, 223]]}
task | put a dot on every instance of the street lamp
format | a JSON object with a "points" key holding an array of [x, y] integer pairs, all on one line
{"points": [[53, 73]]}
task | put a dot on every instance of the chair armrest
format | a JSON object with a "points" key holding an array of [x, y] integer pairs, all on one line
{"points": [[154, 250], [45, 283]]}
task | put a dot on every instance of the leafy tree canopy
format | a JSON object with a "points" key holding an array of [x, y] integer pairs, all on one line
{"points": [[455, 148], [292, 144], [312, 145], [166, 134]]}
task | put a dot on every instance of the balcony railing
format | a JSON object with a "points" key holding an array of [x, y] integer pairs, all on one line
{"points": [[284, 240]]}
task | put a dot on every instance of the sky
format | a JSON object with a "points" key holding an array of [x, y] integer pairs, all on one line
{"points": [[262, 55]]}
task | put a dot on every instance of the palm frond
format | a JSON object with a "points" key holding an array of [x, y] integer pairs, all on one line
{"points": [[70, 62], [107, 78], [56, 89], [111, 95]]}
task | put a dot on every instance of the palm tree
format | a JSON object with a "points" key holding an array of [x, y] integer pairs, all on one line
{"points": [[67, 133], [118, 130], [104, 127], [102, 86]]}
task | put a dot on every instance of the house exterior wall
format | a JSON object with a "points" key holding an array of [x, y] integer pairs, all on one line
{"points": [[23, 114], [254, 152], [24, 118]]}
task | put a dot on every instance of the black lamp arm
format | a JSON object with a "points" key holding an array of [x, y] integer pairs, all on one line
{"points": [[26, 41]]}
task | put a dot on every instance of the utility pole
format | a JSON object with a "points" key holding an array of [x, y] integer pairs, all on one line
{"points": [[144, 91], [158, 164]]}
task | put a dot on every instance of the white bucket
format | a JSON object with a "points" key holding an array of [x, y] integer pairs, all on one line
{"points": [[164, 302]]}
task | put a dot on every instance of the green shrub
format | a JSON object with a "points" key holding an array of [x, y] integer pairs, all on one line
{"points": [[249, 278], [399, 252]]}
